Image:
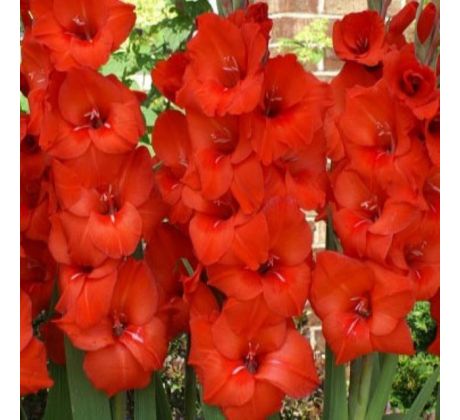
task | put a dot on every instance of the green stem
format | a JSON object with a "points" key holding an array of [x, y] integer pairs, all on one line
{"points": [[118, 404], [335, 390], [382, 389], [355, 377], [364, 387], [190, 388], [23, 412]]}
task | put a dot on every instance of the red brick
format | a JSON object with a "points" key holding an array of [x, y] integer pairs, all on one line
{"points": [[331, 62], [287, 27], [342, 7], [304, 6]]}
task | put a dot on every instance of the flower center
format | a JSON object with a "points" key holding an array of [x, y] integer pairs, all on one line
{"points": [[30, 145], [109, 201], [361, 45], [94, 119], [272, 102], [414, 253], [411, 83], [81, 29], [223, 140], [250, 360], [371, 207], [385, 138], [231, 71], [362, 306], [434, 126], [119, 323]]}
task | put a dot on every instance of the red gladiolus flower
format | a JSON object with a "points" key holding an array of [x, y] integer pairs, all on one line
{"points": [[426, 21], [103, 217], [255, 13], [415, 251], [53, 338], [224, 76], [411, 82], [306, 178], [168, 74], [78, 285], [171, 142], [86, 108], [362, 307], [432, 137], [360, 37], [351, 75], [379, 139], [434, 347], [283, 273], [289, 112], [37, 272], [33, 160], [224, 161], [36, 207], [81, 32], [401, 20], [221, 226], [366, 218], [26, 19], [34, 375], [248, 359], [36, 68], [130, 341], [165, 255]]}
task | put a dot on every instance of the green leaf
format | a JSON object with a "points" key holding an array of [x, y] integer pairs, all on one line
{"points": [[355, 376], [149, 115], [118, 406], [382, 389], [395, 416], [190, 393], [423, 397], [210, 412], [163, 408], [58, 401], [24, 103], [145, 407], [86, 402], [438, 404], [375, 372], [335, 390]]}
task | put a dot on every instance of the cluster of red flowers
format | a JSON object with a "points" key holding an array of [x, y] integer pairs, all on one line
{"points": [[383, 140], [88, 200], [238, 168], [210, 235]]}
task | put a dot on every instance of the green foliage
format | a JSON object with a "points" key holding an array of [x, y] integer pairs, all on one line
{"points": [[162, 27], [422, 326], [309, 44], [414, 371]]}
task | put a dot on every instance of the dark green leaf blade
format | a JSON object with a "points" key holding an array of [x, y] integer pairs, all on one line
{"points": [[423, 397], [86, 402], [163, 408], [382, 389], [145, 407], [335, 390], [58, 401]]}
